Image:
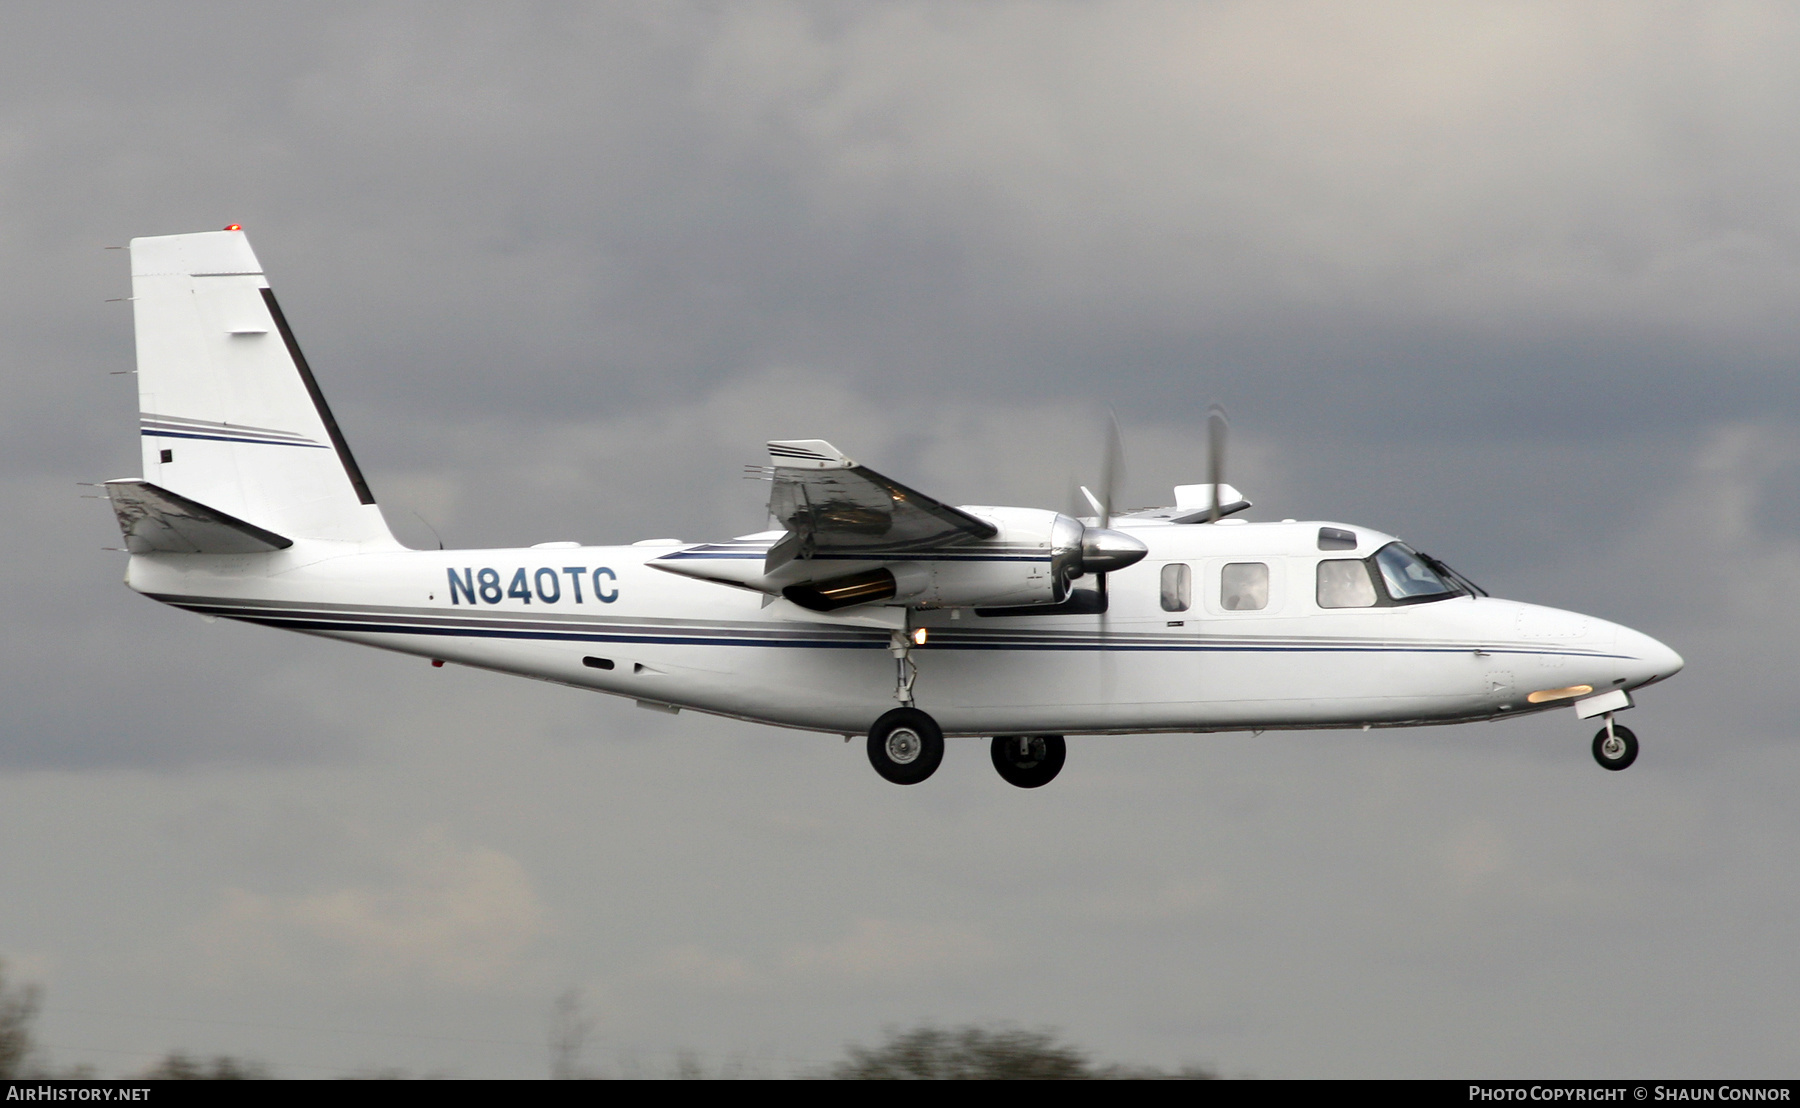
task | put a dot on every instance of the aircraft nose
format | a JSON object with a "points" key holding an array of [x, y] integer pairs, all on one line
{"points": [[1653, 661]]}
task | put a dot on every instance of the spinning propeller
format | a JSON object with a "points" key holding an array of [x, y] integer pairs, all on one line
{"points": [[1215, 457], [1099, 549]]}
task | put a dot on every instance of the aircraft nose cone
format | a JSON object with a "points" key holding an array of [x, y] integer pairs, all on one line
{"points": [[1654, 661]]}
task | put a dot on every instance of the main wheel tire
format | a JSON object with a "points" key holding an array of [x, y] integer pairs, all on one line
{"points": [[1029, 761], [1615, 751], [906, 746]]}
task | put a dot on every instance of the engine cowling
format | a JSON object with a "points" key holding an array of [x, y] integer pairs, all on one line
{"points": [[1012, 569], [1031, 560]]}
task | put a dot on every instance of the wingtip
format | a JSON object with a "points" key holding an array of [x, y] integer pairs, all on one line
{"points": [[808, 454]]}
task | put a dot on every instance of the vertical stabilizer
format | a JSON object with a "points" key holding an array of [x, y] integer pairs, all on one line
{"points": [[231, 416]]}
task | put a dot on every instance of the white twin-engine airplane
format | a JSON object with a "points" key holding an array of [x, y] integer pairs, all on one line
{"points": [[874, 610]]}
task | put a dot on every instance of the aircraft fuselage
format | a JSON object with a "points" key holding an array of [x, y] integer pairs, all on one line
{"points": [[606, 619]]}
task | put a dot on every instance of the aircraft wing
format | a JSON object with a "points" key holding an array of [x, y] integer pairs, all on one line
{"points": [[831, 505], [1193, 504]]}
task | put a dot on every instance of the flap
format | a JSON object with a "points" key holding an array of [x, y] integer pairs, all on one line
{"points": [[830, 504]]}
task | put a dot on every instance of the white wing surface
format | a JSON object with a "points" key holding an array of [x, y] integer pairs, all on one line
{"points": [[831, 505]]}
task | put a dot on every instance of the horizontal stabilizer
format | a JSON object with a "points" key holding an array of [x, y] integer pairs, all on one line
{"points": [[155, 520]]}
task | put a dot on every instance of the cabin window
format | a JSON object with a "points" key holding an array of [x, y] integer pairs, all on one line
{"points": [[1177, 587], [1345, 583], [1244, 587]]}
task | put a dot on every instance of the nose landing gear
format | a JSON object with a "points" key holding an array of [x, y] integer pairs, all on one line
{"points": [[1029, 761], [1615, 747]]}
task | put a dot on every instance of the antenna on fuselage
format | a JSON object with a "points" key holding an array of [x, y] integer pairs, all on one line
{"points": [[428, 527]]}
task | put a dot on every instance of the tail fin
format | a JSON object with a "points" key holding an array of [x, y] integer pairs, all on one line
{"points": [[232, 419]]}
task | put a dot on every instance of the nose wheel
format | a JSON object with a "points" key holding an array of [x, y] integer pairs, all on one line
{"points": [[906, 746], [1615, 747], [1029, 761]]}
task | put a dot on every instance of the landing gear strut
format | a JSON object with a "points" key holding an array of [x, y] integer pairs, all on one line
{"points": [[1029, 761], [1615, 747], [906, 671], [906, 746]]}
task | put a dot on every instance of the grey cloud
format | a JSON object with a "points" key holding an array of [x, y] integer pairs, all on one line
{"points": [[1145, 202]]}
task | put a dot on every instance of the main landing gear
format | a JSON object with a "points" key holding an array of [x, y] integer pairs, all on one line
{"points": [[906, 746], [1029, 761]]}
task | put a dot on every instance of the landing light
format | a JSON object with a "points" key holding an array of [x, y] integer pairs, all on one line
{"points": [[1543, 696], [918, 637]]}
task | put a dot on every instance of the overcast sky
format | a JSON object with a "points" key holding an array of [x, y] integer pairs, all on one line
{"points": [[1516, 282]]}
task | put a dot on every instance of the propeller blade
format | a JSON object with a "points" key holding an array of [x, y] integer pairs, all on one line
{"points": [[1112, 469], [1095, 549], [1215, 456], [1112, 475]]}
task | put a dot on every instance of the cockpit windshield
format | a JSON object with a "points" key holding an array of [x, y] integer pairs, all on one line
{"points": [[1408, 578]]}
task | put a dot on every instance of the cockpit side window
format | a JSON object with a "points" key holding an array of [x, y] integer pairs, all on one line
{"points": [[1408, 578], [1345, 583], [1244, 587], [1177, 587]]}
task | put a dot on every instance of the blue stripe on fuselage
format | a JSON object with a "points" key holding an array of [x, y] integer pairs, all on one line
{"points": [[844, 639]]}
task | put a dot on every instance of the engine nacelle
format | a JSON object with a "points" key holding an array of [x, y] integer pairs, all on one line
{"points": [[1023, 564], [934, 584], [1031, 560]]}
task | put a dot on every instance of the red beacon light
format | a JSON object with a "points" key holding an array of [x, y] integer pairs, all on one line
{"points": [[234, 227]]}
